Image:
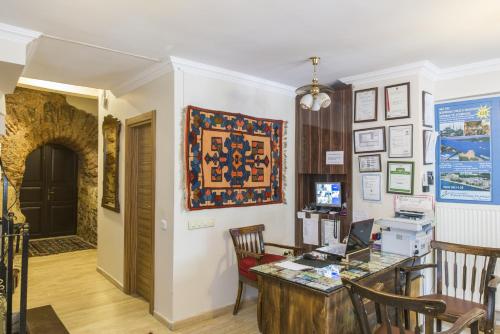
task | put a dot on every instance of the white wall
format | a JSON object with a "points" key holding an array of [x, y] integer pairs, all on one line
{"points": [[195, 269], [385, 207], [205, 272], [156, 95], [470, 86], [468, 223]]}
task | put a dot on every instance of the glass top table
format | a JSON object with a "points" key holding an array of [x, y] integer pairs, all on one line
{"points": [[321, 279]]}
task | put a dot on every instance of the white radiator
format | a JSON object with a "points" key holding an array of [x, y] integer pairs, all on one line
{"points": [[470, 225]]}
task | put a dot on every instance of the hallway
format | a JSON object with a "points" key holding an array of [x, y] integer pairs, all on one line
{"points": [[86, 302]]}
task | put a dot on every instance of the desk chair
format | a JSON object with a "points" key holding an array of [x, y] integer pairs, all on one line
{"points": [[250, 252], [383, 301], [457, 284]]}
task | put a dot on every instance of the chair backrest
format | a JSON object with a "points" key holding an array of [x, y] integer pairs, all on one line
{"points": [[384, 302], [248, 238], [454, 276]]}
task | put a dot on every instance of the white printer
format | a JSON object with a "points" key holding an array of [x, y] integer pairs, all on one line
{"points": [[410, 231]]}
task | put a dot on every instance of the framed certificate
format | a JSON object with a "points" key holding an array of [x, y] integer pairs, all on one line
{"points": [[369, 140], [370, 163], [400, 177], [365, 105], [397, 101], [429, 147], [428, 112], [371, 187], [401, 141]]}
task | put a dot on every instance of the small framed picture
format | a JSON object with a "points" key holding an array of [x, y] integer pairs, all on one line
{"points": [[428, 112], [397, 101], [429, 138], [369, 140], [365, 105], [371, 187], [370, 163], [401, 141], [400, 177]]}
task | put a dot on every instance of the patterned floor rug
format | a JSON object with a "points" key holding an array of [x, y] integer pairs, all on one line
{"points": [[50, 246]]}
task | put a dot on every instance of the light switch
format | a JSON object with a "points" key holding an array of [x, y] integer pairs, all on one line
{"points": [[164, 224]]}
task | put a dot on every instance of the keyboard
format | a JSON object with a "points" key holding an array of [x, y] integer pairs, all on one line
{"points": [[313, 263]]}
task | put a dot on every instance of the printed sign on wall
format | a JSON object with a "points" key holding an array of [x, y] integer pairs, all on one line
{"points": [[466, 150]]}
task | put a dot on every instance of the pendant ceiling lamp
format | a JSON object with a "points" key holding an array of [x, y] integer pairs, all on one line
{"points": [[316, 96]]}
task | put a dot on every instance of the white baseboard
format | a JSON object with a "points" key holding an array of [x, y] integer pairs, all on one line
{"points": [[110, 278]]}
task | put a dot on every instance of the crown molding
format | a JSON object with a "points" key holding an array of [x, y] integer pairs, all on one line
{"points": [[424, 68], [17, 34], [491, 65], [215, 72], [179, 64], [149, 74]]}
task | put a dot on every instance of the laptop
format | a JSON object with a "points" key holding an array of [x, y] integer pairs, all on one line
{"points": [[359, 238]]}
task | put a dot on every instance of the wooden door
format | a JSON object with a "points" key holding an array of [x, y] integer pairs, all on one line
{"points": [[139, 206], [144, 215], [48, 193]]}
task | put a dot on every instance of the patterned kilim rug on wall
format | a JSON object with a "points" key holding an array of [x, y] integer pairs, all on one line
{"points": [[232, 159], [50, 246]]}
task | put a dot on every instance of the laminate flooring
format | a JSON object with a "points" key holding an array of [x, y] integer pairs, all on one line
{"points": [[87, 303]]}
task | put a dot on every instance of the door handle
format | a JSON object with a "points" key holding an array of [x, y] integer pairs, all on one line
{"points": [[50, 194]]}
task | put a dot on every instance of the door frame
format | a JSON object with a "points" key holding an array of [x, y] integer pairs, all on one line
{"points": [[130, 226]]}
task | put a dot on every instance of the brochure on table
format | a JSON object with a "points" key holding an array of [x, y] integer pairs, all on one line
{"points": [[467, 153]]}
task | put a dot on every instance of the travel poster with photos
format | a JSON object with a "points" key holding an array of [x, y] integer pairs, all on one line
{"points": [[466, 150]]}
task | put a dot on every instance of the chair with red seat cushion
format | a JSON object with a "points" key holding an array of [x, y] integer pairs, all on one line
{"points": [[250, 252]]}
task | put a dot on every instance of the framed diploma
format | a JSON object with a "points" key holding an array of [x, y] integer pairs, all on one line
{"points": [[371, 187], [401, 141], [365, 105], [429, 147], [428, 112], [370, 163], [369, 140], [400, 177], [397, 101]]}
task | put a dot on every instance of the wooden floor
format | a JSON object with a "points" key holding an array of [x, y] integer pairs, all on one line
{"points": [[87, 303]]}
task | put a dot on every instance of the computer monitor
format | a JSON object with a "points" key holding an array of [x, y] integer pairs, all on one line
{"points": [[359, 235], [329, 194]]}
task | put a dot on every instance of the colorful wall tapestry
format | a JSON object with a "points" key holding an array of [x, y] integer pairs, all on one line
{"points": [[232, 159]]}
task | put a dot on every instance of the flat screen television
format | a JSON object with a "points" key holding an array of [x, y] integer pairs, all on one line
{"points": [[329, 194]]}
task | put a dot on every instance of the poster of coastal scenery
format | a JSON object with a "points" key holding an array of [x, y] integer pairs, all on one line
{"points": [[466, 149]]}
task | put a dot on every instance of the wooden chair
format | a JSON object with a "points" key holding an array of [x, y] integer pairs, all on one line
{"points": [[250, 252], [387, 325], [461, 287]]}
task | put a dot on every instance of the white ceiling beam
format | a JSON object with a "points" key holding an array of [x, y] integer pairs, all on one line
{"points": [[15, 45]]}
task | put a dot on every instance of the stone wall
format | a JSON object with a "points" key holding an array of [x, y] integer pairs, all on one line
{"points": [[35, 118]]}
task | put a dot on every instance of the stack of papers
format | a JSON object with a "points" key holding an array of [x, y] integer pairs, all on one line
{"points": [[292, 266]]}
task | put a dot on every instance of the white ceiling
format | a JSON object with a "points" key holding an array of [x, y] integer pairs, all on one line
{"points": [[269, 39]]}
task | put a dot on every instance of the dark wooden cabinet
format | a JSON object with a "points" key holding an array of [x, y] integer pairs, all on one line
{"points": [[317, 132]]}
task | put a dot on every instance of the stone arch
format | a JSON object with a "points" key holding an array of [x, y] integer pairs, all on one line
{"points": [[35, 118]]}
